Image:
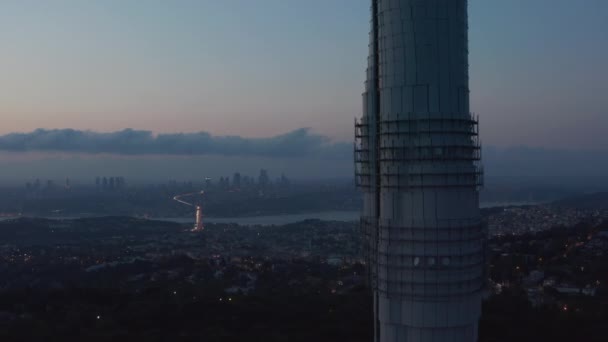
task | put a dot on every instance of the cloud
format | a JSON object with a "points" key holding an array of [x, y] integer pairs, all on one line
{"points": [[298, 143]]}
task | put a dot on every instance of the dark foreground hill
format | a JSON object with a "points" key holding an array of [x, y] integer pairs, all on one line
{"points": [[157, 315]]}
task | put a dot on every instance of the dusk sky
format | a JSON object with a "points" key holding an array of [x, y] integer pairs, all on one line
{"points": [[268, 67]]}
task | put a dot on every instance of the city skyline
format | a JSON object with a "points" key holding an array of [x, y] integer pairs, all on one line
{"points": [[228, 68]]}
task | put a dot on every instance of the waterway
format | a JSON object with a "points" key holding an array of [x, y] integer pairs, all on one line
{"points": [[344, 216], [268, 220]]}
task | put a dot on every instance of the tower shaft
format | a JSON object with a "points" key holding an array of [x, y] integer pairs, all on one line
{"points": [[417, 157]]}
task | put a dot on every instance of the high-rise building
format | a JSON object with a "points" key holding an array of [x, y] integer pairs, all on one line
{"points": [[236, 180], [224, 183], [284, 181], [263, 178], [112, 183], [417, 163]]}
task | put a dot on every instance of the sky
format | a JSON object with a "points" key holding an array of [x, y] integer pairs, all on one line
{"points": [[265, 68]]}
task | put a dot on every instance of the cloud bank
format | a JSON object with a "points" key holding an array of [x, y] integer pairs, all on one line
{"points": [[299, 152], [297, 143]]}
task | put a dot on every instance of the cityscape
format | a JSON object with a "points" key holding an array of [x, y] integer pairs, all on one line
{"points": [[365, 171], [548, 260]]}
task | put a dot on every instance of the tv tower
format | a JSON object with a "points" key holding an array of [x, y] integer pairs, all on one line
{"points": [[417, 159]]}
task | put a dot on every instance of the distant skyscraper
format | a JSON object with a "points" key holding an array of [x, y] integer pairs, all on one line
{"points": [[112, 183], [225, 183], [263, 179], [417, 162], [236, 180], [284, 180]]}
